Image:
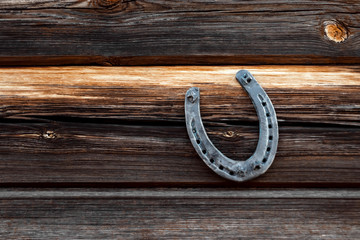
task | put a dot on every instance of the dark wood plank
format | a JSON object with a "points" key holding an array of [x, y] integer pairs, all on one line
{"points": [[310, 94], [157, 32], [65, 153], [179, 214]]}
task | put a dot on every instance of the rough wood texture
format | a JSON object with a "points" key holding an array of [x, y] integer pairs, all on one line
{"points": [[299, 94], [121, 32], [180, 214], [125, 126], [97, 153]]}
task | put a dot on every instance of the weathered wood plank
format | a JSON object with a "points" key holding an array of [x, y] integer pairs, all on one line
{"points": [[179, 214], [157, 32], [310, 94], [124, 155]]}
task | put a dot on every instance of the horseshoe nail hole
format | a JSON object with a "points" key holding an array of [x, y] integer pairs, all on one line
{"points": [[248, 80], [204, 151], [270, 137], [194, 130], [268, 149], [221, 167], [197, 141], [196, 89], [270, 126], [257, 167], [264, 104], [242, 174], [264, 160], [212, 160], [231, 173], [268, 114]]}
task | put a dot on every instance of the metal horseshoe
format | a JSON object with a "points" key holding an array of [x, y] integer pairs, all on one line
{"points": [[266, 148]]}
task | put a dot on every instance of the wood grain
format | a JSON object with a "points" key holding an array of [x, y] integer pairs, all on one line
{"points": [[122, 129], [157, 32], [81, 126], [126, 155], [310, 94], [179, 214]]}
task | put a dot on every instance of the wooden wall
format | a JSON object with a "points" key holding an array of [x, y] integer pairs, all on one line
{"points": [[93, 143]]}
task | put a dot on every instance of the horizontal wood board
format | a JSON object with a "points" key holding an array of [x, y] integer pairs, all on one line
{"points": [[158, 32], [125, 126], [179, 213]]}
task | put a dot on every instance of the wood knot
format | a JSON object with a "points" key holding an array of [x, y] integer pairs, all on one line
{"points": [[110, 4], [335, 31], [229, 134], [48, 134]]}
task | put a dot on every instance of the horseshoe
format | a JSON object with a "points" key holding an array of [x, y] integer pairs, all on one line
{"points": [[264, 154]]}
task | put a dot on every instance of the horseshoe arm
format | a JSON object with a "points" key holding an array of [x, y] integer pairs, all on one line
{"points": [[266, 148]]}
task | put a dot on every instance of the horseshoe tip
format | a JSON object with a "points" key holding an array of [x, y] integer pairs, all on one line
{"points": [[244, 77], [193, 89], [241, 72], [193, 94]]}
